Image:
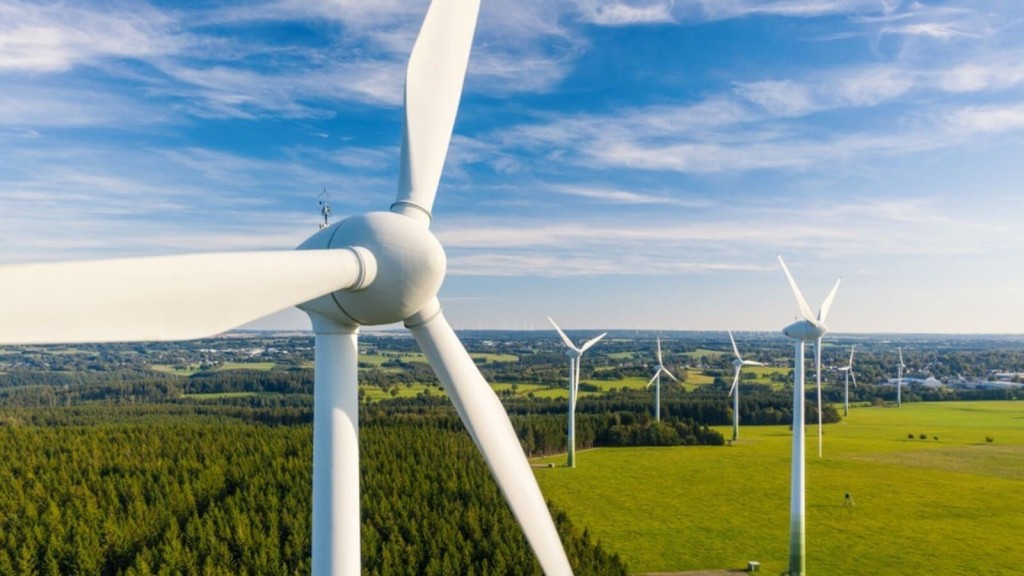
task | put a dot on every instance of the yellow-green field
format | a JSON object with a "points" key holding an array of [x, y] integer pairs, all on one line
{"points": [[949, 506], [190, 370]]}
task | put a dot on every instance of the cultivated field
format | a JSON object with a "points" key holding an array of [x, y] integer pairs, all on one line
{"points": [[952, 505]]}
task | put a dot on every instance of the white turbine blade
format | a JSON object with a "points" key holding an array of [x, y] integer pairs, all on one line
{"points": [[565, 338], [852, 348], [667, 373], [735, 350], [752, 363], [163, 298], [853, 376], [823, 311], [654, 377], [433, 88], [586, 346], [735, 380], [488, 424], [659, 351], [817, 368], [804, 308], [901, 358]]}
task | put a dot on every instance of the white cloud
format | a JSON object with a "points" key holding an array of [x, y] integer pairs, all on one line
{"points": [[626, 13], [619, 196], [987, 119], [53, 37]]}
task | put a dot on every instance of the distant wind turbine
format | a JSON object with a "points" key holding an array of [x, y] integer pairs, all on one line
{"points": [[817, 341], [899, 379], [737, 364], [656, 381], [574, 354], [847, 374], [810, 329]]}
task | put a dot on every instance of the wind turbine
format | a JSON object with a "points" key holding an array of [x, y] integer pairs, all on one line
{"points": [[847, 373], [574, 354], [899, 379], [810, 329], [656, 380], [737, 365], [377, 268]]}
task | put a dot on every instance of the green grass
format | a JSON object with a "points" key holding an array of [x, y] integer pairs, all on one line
{"points": [[192, 369], [947, 506], [221, 395]]}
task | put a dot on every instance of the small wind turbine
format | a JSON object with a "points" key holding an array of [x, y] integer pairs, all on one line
{"points": [[574, 354], [810, 329], [899, 379], [737, 364], [373, 269], [847, 374], [656, 380]]}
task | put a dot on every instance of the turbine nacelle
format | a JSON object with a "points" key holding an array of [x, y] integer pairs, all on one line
{"points": [[404, 269], [805, 331]]}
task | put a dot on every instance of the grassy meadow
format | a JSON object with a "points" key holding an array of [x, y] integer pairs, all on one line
{"points": [[952, 505]]}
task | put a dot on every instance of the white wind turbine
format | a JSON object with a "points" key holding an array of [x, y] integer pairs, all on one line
{"points": [[847, 374], [737, 365], [899, 379], [656, 381], [377, 268], [810, 329], [574, 354]]}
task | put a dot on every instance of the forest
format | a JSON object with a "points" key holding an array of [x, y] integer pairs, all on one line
{"points": [[175, 489]]}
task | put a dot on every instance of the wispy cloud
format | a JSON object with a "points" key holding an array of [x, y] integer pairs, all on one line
{"points": [[626, 13], [53, 37], [619, 196]]}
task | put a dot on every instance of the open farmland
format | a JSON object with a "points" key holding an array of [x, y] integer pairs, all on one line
{"points": [[946, 506]]}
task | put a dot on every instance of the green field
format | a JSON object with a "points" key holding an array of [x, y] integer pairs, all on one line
{"points": [[192, 369], [947, 506]]}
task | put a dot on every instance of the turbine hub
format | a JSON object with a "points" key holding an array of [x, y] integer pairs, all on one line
{"points": [[804, 330], [410, 268]]}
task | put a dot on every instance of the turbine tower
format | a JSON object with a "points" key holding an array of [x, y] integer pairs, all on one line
{"points": [[899, 379], [847, 373], [377, 268], [574, 354], [656, 380], [737, 365], [810, 329]]}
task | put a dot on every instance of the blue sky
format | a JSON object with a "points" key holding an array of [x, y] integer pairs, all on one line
{"points": [[614, 164]]}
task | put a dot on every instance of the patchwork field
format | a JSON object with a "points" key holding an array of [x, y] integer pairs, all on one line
{"points": [[951, 505]]}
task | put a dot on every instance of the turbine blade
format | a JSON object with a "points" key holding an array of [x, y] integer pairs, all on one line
{"points": [[166, 297], [852, 348], [667, 373], [565, 338], [853, 377], [488, 423], [804, 308], [659, 351], [653, 378], [823, 311], [817, 368], [735, 380], [752, 363], [586, 346], [901, 358], [735, 350], [433, 88]]}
